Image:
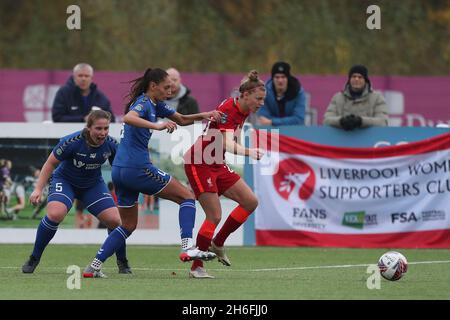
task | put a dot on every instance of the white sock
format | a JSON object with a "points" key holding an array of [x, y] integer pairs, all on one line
{"points": [[96, 264], [187, 243]]}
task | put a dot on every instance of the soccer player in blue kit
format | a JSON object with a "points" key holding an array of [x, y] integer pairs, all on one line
{"points": [[134, 173], [75, 170]]}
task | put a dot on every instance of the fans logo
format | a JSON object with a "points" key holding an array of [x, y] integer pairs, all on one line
{"points": [[294, 180]]}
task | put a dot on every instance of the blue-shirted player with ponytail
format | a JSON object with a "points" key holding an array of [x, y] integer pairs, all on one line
{"points": [[134, 173], [75, 170]]}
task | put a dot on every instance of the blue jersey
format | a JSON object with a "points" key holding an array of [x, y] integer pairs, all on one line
{"points": [[81, 163], [133, 149]]}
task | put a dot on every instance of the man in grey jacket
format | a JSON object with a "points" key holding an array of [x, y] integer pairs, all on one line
{"points": [[357, 106]]}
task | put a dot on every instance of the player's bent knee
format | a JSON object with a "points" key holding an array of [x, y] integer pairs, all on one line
{"points": [[110, 217], [187, 195], [215, 220], [56, 217], [251, 204], [130, 227], [112, 224]]}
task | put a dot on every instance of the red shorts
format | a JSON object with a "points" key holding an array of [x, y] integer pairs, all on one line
{"points": [[210, 178]]}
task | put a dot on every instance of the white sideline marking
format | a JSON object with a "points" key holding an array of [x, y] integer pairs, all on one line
{"points": [[252, 270], [340, 266]]}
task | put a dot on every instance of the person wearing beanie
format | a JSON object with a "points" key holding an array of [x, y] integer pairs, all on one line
{"points": [[285, 100], [357, 106]]}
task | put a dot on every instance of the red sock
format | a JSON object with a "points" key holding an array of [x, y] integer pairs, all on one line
{"points": [[204, 237], [237, 217]]}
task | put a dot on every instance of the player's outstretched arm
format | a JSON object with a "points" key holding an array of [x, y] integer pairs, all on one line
{"points": [[232, 146], [185, 120], [132, 118]]}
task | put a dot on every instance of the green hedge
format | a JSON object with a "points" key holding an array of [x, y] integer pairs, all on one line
{"points": [[316, 36]]}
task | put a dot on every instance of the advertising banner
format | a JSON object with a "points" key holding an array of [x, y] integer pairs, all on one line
{"points": [[319, 195]]}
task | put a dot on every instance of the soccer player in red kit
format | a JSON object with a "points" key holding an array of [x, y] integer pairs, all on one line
{"points": [[210, 177]]}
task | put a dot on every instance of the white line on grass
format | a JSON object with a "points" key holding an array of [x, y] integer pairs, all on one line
{"points": [[339, 266], [255, 270]]}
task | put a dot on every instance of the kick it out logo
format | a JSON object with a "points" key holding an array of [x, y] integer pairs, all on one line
{"points": [[359, 219], [294, 180]]}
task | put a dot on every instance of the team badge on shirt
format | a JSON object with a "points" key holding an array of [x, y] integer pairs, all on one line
{"points": [[139, 107], [224, 118], [78, 164]]}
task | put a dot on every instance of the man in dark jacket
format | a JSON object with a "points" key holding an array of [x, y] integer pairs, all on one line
{"points": [[285, 99], [180, 99], [79, 96]]}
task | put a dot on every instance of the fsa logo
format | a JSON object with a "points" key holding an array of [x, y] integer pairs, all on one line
{"points": [[78, 164], [404, 217]]}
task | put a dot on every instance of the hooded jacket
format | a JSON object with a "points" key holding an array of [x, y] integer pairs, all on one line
{"points": [[294, 107], [68, 105], [183, 103]]}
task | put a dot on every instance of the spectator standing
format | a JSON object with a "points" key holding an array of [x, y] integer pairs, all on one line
{"points": [[357, 106], [180, 98], [285, 100], [79, 96]]}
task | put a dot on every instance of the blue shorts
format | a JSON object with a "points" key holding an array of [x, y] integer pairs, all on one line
{"points": [[129, 182], [95, 199]]}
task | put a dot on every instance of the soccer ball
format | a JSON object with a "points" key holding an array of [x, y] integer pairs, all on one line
{"points": [[393, 265]]}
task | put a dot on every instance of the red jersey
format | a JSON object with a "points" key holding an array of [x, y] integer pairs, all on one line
{"points": [[232, 120]]}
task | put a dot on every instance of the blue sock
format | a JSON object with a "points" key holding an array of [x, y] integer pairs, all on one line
{"points": [[115, 240], [44, 234], [186, 217], [121, 253]]}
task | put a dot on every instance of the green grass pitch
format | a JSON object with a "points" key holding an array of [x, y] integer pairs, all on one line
{"points": [[257, 273]]}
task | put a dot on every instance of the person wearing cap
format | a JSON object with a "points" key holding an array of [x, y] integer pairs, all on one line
{"points": [[79, 96], [357, 106], [285, 100]]}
